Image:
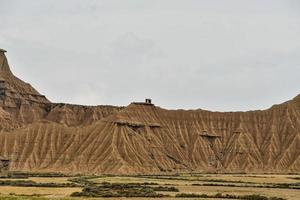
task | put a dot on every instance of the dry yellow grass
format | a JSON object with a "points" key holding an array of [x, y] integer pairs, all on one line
{"points": [[255, 178], [44, 191], [259, 179], [139, 180], [270, 192], [185, 186], [41, 179], [50, 180]]}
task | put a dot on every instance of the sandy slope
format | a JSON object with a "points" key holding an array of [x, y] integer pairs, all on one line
{"points": [[42, 136]]}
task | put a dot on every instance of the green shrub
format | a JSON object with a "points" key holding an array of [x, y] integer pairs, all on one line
{"points": [[165, 189], [121, 190], [26, 183], [34, 174]]}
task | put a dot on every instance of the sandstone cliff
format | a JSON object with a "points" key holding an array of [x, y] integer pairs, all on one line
{"points": [[38, 135]]}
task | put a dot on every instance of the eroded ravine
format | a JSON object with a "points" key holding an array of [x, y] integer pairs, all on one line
{"points": [[38, 135]]}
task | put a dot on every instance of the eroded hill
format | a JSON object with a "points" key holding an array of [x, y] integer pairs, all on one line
{"points": [[38, 135]]}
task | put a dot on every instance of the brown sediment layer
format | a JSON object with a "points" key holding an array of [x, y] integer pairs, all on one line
{"points": [[38, 135]]}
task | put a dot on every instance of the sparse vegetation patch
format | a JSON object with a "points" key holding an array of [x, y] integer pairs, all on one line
{"points": [[25, 175], [123, 190], [21, 183]]}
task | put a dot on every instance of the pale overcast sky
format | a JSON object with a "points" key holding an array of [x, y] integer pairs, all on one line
{"points": [[222, 55]]}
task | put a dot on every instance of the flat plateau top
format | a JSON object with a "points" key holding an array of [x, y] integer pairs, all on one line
{"points": [[143, 103]]}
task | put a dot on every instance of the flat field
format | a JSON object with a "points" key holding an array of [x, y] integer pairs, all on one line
{"points": [[187, 186]]}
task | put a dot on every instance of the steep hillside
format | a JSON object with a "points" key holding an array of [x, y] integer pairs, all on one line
{"points": [[38, 135]]}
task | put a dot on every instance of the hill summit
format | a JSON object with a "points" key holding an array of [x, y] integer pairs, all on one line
{"points": [[38, 135]]}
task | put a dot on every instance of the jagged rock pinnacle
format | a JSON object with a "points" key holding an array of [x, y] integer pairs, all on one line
{"points": [[2, 50], [4, 67], [13, 91]]}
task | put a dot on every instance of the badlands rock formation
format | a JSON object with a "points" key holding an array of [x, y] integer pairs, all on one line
{"points": [[37, 135]]}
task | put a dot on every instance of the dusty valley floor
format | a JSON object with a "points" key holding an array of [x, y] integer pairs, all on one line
{"points": [[236, 185]]}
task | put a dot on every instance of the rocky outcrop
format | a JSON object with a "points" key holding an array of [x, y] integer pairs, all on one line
{"points": [[38, 135], [18, 98]]}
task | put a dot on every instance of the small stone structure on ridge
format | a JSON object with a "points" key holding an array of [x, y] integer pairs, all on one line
{"points": [[146, 102]]}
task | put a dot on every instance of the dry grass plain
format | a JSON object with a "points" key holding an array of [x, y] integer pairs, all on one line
{"points": [[38, 191], [211, 184]]}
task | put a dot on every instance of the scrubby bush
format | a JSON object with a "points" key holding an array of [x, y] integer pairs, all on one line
{"points": [[81, 181], [26, 183], [34, 174], [165, 189], [122, 190]]}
